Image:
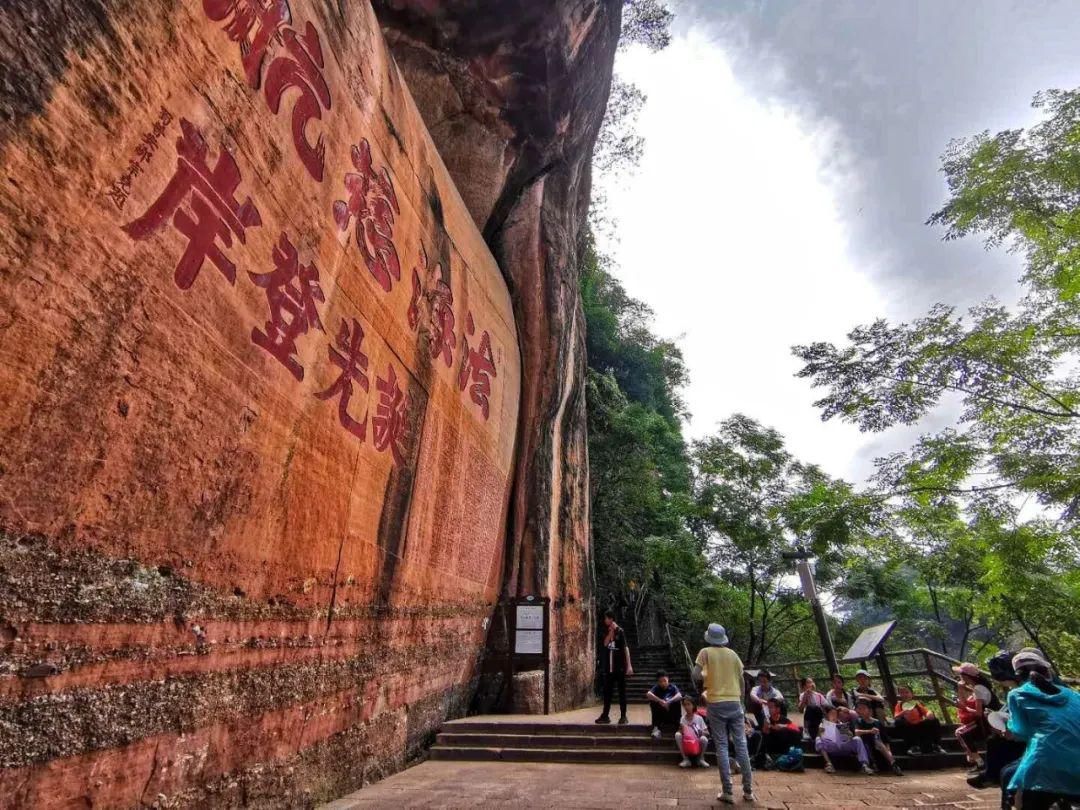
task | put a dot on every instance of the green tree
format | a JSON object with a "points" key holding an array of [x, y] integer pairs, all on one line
{"points": [[960, 494], [754, 501]]}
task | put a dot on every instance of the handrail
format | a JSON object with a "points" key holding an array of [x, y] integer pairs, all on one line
{"points": [[689, 660], [682, 642]]}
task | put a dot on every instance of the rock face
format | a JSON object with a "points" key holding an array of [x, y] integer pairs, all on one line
{"points": [[283, 414], [260, 382], [513, 93]]}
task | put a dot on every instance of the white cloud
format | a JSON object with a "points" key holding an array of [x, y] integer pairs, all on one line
{"points": [[732, 231]]}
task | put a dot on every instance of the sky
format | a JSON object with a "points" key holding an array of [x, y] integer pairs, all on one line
{"points": [[792, 155]]}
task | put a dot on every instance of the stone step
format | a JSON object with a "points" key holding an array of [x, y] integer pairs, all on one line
{"points": [[475, 726], [649, 755], [554, 740], [526, 738]]}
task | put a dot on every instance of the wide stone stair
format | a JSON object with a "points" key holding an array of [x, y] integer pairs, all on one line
{"points": [[477, 739], [647, 662]]}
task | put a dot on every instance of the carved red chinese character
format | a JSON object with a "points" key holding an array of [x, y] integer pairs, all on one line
{"points": [[353, 364], [215, 213], [267, 17], [479, 364], [373, 203], [301, 69], [291, 291], [390, 424]]}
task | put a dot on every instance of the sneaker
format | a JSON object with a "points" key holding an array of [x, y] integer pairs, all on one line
{"points": [[979, 781], [685, 763], [830, 768], [896, 769], [623, 720], [936, 749], [603, 720], [725, 798], [702, 763], [866, 769], [749, 798], [914, 751], [655, 733]]}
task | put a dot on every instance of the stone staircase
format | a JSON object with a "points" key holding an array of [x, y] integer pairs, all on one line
{"points": [[477, 739], [647, 662]]}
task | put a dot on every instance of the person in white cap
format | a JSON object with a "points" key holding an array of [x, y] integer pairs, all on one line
{"points": [[864, 691], [721, 670], [1047, 716]]}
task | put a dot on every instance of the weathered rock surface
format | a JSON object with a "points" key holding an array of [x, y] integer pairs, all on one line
{"points": [[260, 381], [513, 93]]}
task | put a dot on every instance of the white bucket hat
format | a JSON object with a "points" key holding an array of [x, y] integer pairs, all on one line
{"points": [[716, 635]]}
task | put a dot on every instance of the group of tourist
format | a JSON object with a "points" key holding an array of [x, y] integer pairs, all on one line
{"points": [[1029, 746]]}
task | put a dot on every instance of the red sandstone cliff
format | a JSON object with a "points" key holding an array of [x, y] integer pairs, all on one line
{"points": [[248, 555], [513, 93]]}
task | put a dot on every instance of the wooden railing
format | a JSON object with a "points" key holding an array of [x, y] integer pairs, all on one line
{"points": [[927, 672]]}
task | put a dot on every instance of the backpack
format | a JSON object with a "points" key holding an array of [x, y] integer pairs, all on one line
{"points": [[791, 761]]}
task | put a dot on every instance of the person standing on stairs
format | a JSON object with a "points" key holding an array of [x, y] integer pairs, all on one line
{"points": [[721, 671], [616, 667]]}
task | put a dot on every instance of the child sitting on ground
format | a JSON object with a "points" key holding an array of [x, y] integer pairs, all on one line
{"points": [[837, 738], [872, 732], [692, 738]]}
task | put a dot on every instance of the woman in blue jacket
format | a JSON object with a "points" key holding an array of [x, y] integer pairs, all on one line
{"points": [[1047, 716]]}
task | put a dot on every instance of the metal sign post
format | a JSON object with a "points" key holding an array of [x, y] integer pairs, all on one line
{"points": [[809, 588]]}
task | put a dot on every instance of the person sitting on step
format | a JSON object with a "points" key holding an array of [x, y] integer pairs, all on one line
{"points": [[864, 690], [692, 738], [1044, 713], [874, 736], [836, 737], [915, 724], [779, 733], [761, 694], [975, 698], [664, 701], [812, 704], [838, 694]]}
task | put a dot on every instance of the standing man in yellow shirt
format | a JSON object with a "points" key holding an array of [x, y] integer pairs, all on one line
{"points": [[721, 670]]}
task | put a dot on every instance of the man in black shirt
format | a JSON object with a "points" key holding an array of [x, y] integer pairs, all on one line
{"points": [[615, 666], [664, 702]]}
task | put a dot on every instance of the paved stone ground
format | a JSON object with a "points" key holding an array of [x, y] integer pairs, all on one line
{"points": [[528, 786]]}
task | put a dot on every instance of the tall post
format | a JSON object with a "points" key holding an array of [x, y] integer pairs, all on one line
{"points": [[809, 588]]}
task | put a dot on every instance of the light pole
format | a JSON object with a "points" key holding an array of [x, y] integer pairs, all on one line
{"points": [[809, 589]]}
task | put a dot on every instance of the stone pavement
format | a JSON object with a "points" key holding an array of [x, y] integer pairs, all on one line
{"points": [[527, 786]]}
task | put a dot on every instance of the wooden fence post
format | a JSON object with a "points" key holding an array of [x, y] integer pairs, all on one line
{"points": [[936, 684]]}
